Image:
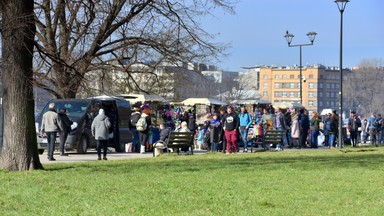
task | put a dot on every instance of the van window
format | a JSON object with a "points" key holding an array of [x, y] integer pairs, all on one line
{"points": [[75, 109]]}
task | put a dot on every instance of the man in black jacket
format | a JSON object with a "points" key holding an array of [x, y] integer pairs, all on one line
{"points": [[67, 128], [304, 126]]}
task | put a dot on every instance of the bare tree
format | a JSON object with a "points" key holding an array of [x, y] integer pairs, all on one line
{"points": [[365, 86], [19, 151], [77, 37]]}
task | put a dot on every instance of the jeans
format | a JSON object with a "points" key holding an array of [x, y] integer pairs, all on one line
{"points": [[63, 138], [244, 134], [314, 135], [331, 139], [51, 138], [102, 144], [231, 137], [136, 140], [353, 135], [214, 147]]}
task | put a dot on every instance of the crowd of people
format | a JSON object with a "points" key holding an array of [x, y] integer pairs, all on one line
{"points": [[229, 129]]}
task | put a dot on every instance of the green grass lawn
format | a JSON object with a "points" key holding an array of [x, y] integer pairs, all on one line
{"points": [[321, 182]]}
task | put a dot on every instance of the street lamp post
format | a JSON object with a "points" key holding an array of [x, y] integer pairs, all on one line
{"points": [[289, 37], [341, 4]]}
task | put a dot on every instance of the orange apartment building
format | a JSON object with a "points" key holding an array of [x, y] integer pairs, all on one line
{"points": [[320, 89]]}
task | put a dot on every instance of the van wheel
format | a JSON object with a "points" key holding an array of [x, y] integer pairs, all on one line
{"points": [[41, 151], [83, 145], [120, 147]]}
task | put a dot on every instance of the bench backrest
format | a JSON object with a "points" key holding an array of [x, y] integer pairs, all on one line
{"points": [[181, 139], [273, 136]]}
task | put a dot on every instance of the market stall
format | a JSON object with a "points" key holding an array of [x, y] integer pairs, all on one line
{"points": [[202, 106]]}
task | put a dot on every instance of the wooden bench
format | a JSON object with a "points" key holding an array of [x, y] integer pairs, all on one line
{"points": [[271, 137], [180, 140]]}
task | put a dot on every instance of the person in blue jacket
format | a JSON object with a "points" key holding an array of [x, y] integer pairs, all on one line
{"points": [[245, 123]]}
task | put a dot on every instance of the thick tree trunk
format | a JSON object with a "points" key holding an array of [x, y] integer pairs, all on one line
{"points": [[18, 30]]}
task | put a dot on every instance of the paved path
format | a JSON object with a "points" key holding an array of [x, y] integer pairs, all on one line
{"points": [[92, 156]]}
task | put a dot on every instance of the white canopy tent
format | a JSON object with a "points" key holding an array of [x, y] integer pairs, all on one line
{"points": [[206, 101], [285, 105], [134, 98]]}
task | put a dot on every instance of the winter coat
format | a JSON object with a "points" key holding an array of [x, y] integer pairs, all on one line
{"points": [[304, 123], [100, 127], [51, 122], [295, 126], [282, 121], [314, 123], [245, 119], [66, 122]]}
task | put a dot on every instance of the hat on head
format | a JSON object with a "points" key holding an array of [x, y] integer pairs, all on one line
{"points": [[144, 106]]}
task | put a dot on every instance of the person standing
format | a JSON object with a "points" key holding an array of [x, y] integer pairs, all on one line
{"points": [[67, 128], [315, 128], [100, 130], [144, 134], [295, 129], [304, 126], [365, 134], [372, 128], [353, 125], [231, 125], [51, 125], [266, 120], [135, 116], [278, 122], [333, 130], [326, 129], [245, 122], [222, 141]]}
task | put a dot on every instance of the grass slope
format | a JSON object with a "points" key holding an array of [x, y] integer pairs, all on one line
{"points": [[321, 182]]}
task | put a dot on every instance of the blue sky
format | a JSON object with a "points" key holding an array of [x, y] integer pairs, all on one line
{"points": [[256, 31]]}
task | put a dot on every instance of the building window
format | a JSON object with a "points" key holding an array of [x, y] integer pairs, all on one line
{"points": [[332, 85], [321, 76], [310, 76], [321, 85], [284, 76], [265, 85], [311, 85], [284, 94], [327, 103], [265, 76], [311, 94], [328, 86], [321, 103], [332, 103], [292, 85], [276, 76], [265, 94], [311, 103], [291, 94], [277, 85], [321, 94], [291, 76], [327, 94]]}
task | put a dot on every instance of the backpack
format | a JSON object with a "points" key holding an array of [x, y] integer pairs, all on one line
{"points": [[135, 118], [141, 124], [376, 123]]}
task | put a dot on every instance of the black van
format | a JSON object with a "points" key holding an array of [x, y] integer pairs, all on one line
{"points": [[82, 113]]}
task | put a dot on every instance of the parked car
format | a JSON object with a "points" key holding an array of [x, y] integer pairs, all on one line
{"points": [[82, 112]]}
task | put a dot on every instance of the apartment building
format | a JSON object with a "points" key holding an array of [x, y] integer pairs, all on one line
{"points": [[320, 86]]}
